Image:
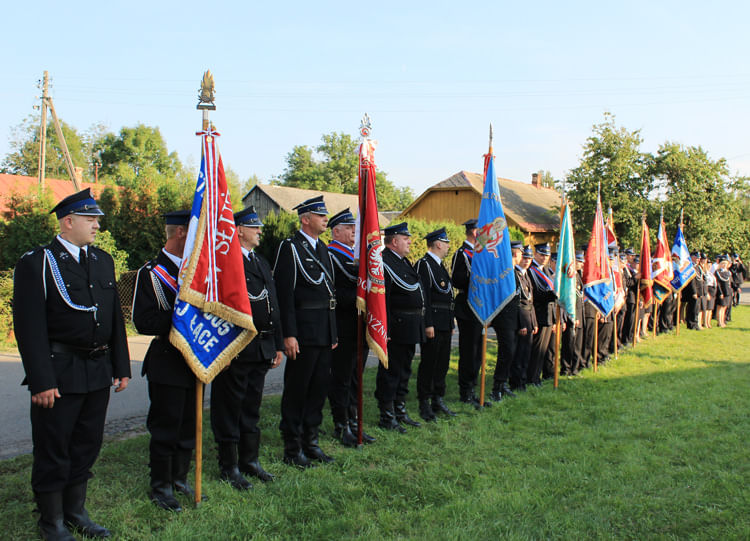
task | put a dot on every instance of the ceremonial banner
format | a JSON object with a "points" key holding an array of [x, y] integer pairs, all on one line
{"points": [[565, 273], [493, 282], [212, 320], [598, 285], [616, 271], [683, 268], [368, 249], [662, 273], [646, 281]]}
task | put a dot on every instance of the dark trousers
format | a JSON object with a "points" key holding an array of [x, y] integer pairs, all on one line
{"points": [[343, 392], [666, 314], [469, 354], [548, 367], [506, 330], [691, 313], [588, 340], [67, 439], [628, 323], [433, 366], [606, 328], [519, 368], [539, 346], [306, 381], [569, 361], [392, 383], [171, 419], [236, 395]]}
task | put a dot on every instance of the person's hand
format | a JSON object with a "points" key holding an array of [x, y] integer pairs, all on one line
{"points": [[46, 399], [536, 329], [291, 347], [334, 346], [120, 384], [523, 332], [277, 359], [430, 332]]}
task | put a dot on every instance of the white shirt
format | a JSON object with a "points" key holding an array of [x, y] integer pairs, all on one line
{"points": [[173, 258], [436, 258], [313, 242], [74, 250]]}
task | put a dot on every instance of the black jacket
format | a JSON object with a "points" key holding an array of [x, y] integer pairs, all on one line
{"points": [[346, 272], [544, 299], [307, 294], [163, 362], [460, 276], [404, 300], [438, 293], [526, 312], [264, 302], [41, 315]]}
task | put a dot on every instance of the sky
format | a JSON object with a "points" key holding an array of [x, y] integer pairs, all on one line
{"points": [[431, 75]]}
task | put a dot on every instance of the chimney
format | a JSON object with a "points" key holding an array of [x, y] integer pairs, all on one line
{"points": [[535, 180]]}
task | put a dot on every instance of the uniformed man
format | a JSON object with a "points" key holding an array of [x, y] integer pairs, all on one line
{"points": [[71, 336], [343, 394], [527, 325], [236, 393], [469, 327], [307, 296], [572, 339], [630, 280], [544, 306], [405, 305], [171, 383], [505, 324], [435, 352], [692, 293]]}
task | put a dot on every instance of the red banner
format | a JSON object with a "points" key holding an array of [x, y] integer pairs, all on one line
{"points": [[663, 273], [369, 247], [646, 285]]}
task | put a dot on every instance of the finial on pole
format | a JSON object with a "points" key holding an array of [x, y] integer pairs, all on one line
{"points": [[206, 94], [365, 127], [490, 136]]}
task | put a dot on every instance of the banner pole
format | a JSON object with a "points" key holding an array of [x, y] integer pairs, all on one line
{"points": [[596, 343], [557, 347], [637, 319], [360, 370], [484, 365], [614, 330], [198, 439], [678, 313], [656, 316]]}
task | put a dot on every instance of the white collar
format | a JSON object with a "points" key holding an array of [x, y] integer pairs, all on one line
{"points": [[74, 250], [173, 258], [471, 244], [436, 258], [521, 269], [313, 242], [394, 253]]}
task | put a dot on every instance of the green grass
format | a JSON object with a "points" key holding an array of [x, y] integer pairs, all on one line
{"points": [[653, 446]]}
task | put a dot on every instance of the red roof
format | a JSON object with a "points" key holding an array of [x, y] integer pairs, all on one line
{"points": [[58, 189]]}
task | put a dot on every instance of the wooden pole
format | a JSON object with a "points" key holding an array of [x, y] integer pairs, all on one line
{"points": [[637, 319], [678, 313], [596, 343], [43, 131], [614, 330], [656, 315], [198, 439], [360, 371], [64, 146], [484, 366], [557, 345]]}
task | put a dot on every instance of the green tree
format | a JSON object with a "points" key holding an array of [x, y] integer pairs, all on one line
{"points": [[332, 167], [714, 203], [24, 156], [26, 225], [613, 160]]}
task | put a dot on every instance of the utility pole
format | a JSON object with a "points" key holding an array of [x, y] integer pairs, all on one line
{"points": [[43, 130], [47, 102]]}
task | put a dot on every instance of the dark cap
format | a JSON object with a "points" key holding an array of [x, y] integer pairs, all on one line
{"points": [[528, 253], [516, 245], [397, 229], [248, 217], [695, 254], [438, 234], [345, 217], [629, 251], [314, 205], [470, 224], [177, 217], [81, 203], [542, 248], [553, 255], [579, 256], [613, 251]]}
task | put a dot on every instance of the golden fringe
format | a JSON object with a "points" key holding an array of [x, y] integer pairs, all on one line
{"points": [[382, 355], [187, 276], [206, 375], [197, 299], [361, 305]]}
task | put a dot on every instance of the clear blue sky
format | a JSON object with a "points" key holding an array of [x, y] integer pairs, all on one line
{"points": [[432, 75]]}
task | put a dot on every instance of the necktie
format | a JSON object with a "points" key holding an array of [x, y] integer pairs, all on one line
{"points": [[82, 259]]}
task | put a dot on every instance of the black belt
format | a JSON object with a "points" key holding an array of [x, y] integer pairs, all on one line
{"points": [[91, 353], [330, 305], [443, 305], [409, 311], [261, 334]]}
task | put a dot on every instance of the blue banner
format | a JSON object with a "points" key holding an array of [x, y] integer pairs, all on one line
{"points": [[565, 273], [493, 282], [598, 286], [683, 269]]}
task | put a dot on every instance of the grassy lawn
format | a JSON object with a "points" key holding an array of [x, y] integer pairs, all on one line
{"points": [[653, 446]]}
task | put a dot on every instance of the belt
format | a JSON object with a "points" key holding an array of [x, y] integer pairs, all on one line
{"points": [[91, 353], [330, 305], [261, 334], [409, 311], [443, 305]]}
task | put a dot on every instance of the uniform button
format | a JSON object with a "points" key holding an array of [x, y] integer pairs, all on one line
{"points": [[91, 286], [96, 304], [98, 324]]}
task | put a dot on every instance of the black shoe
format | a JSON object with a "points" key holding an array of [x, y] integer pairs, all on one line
{"points": [[343, 433], [248, 462], [425, 411], [228, 469], [75, 514], [388, 420], [180, 470], [50, 505], [507, 392], [496, 396], [402, 416], [311, 448], [353, 426], [438, 405], [162, 494]]}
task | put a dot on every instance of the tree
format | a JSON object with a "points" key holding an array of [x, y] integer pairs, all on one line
{"points": [[714, 204], [613, 160], [26, 225], [24, 157], [336, 171], [546, 179]]}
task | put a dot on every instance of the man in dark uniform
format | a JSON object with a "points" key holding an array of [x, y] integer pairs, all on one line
{"points": [[71, 336], [236, 393], [343, 393], [739, 274], [544, 306], [630, 279], [304, 282], [171, 383], [607, 324], [691, 295], [505, 325], [469, 327], [436, 351], [405, 305], [572, 339], [527, 325]]}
